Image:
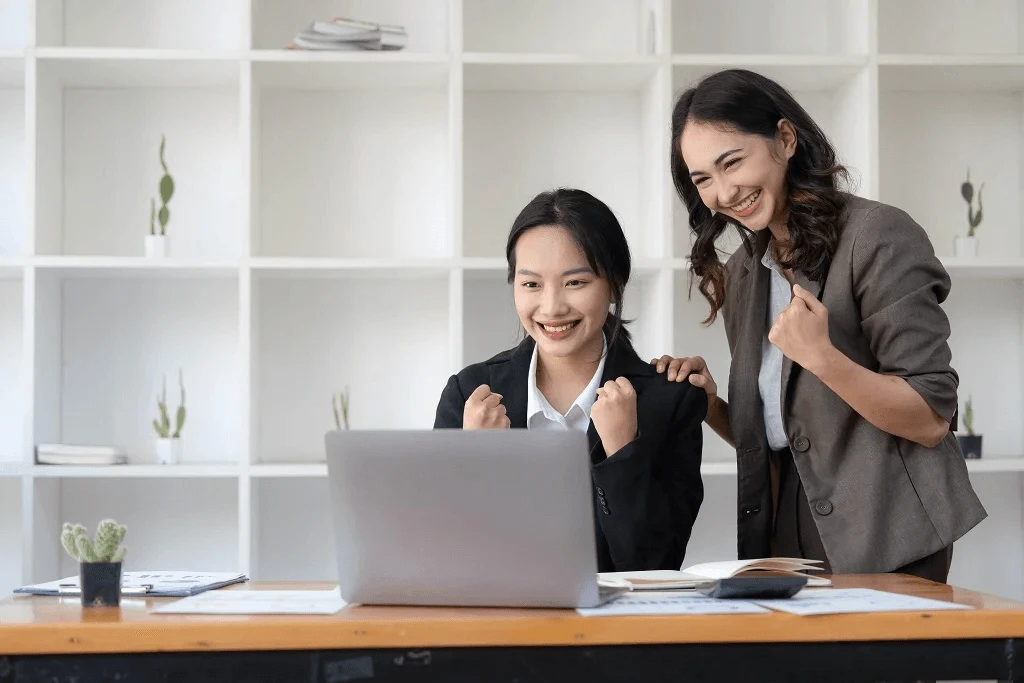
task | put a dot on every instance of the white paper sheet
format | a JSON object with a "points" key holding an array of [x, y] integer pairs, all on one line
{"points": [[257, 602], [854, 600], [670, 602]]}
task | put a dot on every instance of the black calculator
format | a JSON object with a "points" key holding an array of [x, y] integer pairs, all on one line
{"points": [[754, 587]]}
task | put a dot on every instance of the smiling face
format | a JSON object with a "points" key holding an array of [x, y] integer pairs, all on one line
{"points": [[561, 301], [740, 175]]}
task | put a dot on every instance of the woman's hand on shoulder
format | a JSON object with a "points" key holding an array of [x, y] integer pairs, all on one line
{"points": [[691, 368], [614, 415], [484, 410]]}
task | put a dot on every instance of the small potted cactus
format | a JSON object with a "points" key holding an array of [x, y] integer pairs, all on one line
{"points": [[99, 561], [970, 443], [156, 242], [968, 246], [168, 442]]}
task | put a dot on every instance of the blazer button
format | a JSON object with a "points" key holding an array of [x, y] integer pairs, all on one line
{"points": [[605, 510], [823, 507], [802, 443], [600, 491]]}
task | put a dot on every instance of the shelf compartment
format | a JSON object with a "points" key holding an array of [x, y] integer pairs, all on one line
{"points": [[518, 143], [989, 366], [103, 346], [292, 518], [772, 26], [978, 130], [173, 524], [317, 189], [10, 534], [12, 396], [951, 74], [386, 339], [605, 27], [98, 164], [179, 25], [274, 24], [981, 27], [13, 176], [14, 24]]}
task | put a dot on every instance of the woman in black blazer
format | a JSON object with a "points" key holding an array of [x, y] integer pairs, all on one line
{"points": [[569, 263]]}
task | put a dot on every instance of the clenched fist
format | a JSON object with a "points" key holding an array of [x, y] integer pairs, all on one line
{"points": [[801, 331], [614, 414], [484, 410]]}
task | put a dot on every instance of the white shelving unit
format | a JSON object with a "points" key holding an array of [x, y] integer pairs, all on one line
{"points": [[339, 219]]}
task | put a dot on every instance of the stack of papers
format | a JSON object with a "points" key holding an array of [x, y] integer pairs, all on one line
{"points": [[257, 602], [156, 584], [805, 603], [691, 577]]}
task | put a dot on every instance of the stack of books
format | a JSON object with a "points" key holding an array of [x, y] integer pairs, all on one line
{"points": [[71, 454], [342, 33]]}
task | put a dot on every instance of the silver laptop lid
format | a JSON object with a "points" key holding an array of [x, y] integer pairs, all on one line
{"points": [[453, 517]]}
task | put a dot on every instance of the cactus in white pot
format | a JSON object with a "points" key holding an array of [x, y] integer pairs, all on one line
{"points": [[168, 443], [156, 241]]}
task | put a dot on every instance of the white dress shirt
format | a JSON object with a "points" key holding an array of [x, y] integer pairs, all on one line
{"points": [[540, 414], [769, 380]]}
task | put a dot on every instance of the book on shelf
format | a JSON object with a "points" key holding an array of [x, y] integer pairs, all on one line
{"points": [[78, 454], [693, 576], [342, 33]]}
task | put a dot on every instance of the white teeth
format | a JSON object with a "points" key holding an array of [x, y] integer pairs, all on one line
{"points": [[560, 328], [749, 203]]}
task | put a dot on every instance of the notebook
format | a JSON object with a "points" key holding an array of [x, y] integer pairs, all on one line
{"points": [[691, 577]]}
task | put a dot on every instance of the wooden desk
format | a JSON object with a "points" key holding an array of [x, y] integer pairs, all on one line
{"points": [[46, 638]]}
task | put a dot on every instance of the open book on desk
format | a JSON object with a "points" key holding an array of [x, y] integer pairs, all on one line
{"points": [[691, 577]]}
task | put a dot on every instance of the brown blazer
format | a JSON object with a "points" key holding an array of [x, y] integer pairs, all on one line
{"points": [[879, 501]]}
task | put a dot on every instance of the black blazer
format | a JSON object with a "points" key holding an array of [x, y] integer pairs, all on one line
{"points": [[647, 496]]}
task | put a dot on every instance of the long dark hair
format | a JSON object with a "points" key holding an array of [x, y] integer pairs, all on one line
{"points": [[750, 103], [594, 228]]}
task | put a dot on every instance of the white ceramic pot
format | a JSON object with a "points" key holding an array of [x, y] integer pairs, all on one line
{"points": [[168, 451], [965, 247], [156, 246]]}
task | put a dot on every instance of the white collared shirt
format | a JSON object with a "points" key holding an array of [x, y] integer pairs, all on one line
{"points": [[540, 414], [769, 380]]}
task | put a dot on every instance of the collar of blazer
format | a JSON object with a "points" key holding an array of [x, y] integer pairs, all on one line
{"points": [[752, 288], [509, 378]]}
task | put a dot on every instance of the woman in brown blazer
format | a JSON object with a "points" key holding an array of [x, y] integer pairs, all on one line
{"points": [[842, 400]]}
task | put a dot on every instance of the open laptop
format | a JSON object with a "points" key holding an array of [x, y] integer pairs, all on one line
{"points": [[464, 518]]}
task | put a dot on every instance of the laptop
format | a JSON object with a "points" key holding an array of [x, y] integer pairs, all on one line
{"points": [[446, 517]]}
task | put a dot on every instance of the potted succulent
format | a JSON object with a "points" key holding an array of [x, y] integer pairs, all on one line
{"points": [[968, 246], [970, 443], [168, 442], [99, 561], [156, 242]]}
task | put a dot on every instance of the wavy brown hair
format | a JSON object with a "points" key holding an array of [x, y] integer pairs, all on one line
{"points": [[747, 102]]}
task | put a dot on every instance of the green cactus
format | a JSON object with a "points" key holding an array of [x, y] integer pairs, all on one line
{"points": [[166, 192], [152, 216], [969, 417], [105, 548], [340, 405], [967, 192], [162, 424]]}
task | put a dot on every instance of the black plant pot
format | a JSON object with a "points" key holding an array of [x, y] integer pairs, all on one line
{"points": [[100, 583], [970, 444]]}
